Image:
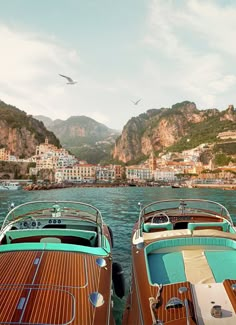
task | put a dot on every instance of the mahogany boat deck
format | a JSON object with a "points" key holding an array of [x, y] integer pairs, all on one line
{"points": [[52, 287]]}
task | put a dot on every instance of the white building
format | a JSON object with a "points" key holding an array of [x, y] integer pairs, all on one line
{"points": [[136, 174], [105, 173], [49, 156], [165, 175], [77, 173]]}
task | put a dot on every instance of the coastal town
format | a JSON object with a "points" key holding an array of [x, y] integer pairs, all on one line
{"points": [[170, 169]]}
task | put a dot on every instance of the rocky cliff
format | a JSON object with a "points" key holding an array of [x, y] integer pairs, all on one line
{"points": [[158, 129], [21, 133]]}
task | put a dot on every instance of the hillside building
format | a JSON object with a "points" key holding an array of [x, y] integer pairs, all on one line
{"points": [[49, 156]]}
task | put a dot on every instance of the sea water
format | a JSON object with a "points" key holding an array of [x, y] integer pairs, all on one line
{"points": [[120, 209]]}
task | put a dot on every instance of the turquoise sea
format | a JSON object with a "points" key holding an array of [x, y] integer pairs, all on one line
{"points": [[120, 210]]}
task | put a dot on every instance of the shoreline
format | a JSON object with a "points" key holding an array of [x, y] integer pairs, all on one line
{"points": [[219, 186], [37, 187]]}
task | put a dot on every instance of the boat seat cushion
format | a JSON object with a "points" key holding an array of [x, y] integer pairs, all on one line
{"points": [[167, 234], [213, 233], [52, 239], [196, 266], [77, 237], [224, 226], [151, 226]]}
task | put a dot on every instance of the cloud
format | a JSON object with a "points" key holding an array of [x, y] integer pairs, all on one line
{"points": [[22, 50], [194, 48], [29, 66], [186, 52]]}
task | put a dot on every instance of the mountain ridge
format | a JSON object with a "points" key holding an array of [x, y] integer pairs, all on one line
{"points": [[163, 129], [177, 128]]}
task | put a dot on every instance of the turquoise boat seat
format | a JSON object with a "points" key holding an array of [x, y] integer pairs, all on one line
{"points": [[148, 226], [224, 225], [189, 241], [52, 236]]}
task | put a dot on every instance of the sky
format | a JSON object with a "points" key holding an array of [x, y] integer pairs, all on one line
{"points": [[160, 51]]}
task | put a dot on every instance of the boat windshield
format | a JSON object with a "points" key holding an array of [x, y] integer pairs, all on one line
{"points": [[188, 207], [55, 209]]}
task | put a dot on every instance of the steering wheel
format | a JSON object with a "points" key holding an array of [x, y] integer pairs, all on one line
{"points": [[160, 217]]}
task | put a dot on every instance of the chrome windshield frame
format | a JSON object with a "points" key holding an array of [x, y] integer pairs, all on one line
{"points": [[41, 209], [184, 206]]}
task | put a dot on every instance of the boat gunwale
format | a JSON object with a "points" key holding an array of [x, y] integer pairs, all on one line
{"points": [[63, 247]]}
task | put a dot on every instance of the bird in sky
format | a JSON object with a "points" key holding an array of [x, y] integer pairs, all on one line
{"points": [[70, 81], [136, 103]]}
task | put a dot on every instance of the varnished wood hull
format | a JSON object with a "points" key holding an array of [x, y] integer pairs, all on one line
{"points": [[55, 265], [190, 234]]}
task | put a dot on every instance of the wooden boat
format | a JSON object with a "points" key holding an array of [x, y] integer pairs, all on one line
{"points": [[56, 265], [183, 265]]}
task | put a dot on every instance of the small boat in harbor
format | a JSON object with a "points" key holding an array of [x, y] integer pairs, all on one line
{"points": [[183, 265], [56, 265], [9, 186], [176, 185]]}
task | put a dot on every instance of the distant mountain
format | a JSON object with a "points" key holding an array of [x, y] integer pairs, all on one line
{"points": [[84, 137], [46, 120], [178, 128], [21, 133]]}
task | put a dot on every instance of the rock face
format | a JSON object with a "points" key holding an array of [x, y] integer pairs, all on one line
{"points": [[229, 114], [159, 129], [21, 133], [20, 142]]}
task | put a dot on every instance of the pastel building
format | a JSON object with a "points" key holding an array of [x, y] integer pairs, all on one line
{"points": [[4, 154]]}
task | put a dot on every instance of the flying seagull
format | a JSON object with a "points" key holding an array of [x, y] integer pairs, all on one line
{"points": [[136, 103], [70, 81]]}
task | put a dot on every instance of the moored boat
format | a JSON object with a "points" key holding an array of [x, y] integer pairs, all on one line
{"points": [[183, 265], [56, 265], [9, 185], [176, 185]]}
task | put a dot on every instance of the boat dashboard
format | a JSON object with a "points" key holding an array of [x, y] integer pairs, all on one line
{"points": [[36, 224], [160, 218], [174, 219], [61, 223]]}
